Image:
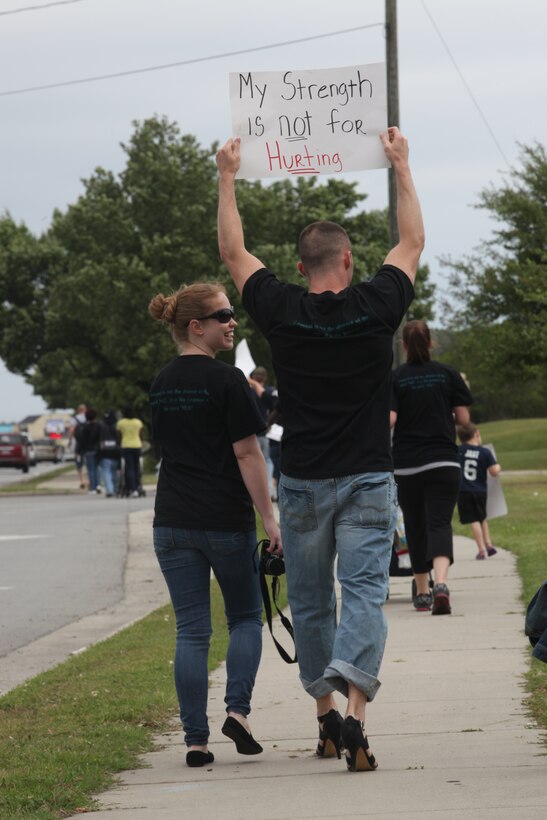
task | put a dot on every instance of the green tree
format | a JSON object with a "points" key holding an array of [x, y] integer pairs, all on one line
{"points": [[501, 316], [73, 312]]}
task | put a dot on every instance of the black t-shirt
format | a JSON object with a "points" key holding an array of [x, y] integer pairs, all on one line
{"points": [[109, 441], [265, 403], [89, 437], [423, 398], [200, 407], [332, 355]]}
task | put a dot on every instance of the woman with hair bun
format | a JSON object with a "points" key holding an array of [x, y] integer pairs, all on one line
{"points": [[205, 419], [429, 398]]}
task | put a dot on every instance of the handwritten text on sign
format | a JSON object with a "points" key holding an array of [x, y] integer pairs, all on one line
{"points": [[323, 121]]}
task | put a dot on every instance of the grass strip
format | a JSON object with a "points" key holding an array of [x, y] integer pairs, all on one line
{"points": [[519, 443], [41, 484], [35, 482], [66, 732]]}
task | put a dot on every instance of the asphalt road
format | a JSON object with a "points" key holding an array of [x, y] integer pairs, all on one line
{"points": [[61, 558]]}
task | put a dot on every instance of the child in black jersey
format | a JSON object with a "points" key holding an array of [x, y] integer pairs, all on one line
{"points": [[476, 462]]}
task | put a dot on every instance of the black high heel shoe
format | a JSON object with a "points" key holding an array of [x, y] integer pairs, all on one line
{"points": [[330, 739], [196, 758], [244, 741], [358, 757]]}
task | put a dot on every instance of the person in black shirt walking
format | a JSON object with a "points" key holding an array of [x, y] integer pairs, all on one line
{"points": [[88, 443], [428, 397], [332, 354], [205, 419]]}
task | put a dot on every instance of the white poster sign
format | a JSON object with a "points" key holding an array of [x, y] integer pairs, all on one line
{"points": [[304, 123], [496, 506], [244, 360]]}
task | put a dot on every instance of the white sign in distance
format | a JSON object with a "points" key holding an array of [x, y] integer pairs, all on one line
{"points": [[496, 505], [244, 359], [312, 122]]}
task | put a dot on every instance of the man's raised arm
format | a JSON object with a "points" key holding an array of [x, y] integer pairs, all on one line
{"points": [[406, 254], [231, 241]]}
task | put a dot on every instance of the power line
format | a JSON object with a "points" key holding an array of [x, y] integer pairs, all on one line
{"points": [[468, 89], [181, 62], [38, 8]]}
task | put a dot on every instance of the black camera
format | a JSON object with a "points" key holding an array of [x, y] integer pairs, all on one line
{"points": [[269, 563]]}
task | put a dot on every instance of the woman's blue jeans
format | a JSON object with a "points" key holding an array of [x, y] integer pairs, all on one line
{"points": [[92, 468], [353, 519], [186, 558], [109, 469]]}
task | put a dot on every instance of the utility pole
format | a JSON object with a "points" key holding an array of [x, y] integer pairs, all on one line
{"points": [[392, 70]]}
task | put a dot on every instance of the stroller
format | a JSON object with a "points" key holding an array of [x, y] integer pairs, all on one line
{"points": [[123, 491], [400, 559]]}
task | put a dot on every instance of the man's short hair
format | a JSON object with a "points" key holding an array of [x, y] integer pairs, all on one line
{"points": [[321, 243]]}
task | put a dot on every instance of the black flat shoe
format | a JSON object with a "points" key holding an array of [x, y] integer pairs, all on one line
{"points": [[330, 738], [358, 757], [197, 758], [244, 741]]}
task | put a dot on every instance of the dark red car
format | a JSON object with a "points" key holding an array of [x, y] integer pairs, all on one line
{"points": [[14, 451]]}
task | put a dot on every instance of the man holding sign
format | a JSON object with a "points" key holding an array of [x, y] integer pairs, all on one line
{"points": [[332, 353]]}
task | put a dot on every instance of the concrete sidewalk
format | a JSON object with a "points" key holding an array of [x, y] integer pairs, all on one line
{"points": [[449, 727]]}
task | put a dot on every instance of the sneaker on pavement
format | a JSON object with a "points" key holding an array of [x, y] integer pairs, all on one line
{"points": [[491, 550], [422, 603], [441, 600], [135, 494], [480, 556]]}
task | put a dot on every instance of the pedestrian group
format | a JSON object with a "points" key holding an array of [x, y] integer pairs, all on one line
{"points": [[109, 449]]}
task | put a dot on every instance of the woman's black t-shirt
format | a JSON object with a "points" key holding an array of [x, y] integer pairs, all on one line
{"points": [[423, 398], [200, 407]]}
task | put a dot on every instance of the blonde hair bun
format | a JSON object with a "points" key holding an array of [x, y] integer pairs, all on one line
{"points": [[163, 308]]}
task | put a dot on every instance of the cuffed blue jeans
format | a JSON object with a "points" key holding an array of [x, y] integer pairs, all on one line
{"points": [[186, 558], [353, 519]]}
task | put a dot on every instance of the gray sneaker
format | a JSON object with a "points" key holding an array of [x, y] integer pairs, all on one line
{"points": [[441, 600], [422, 603]]}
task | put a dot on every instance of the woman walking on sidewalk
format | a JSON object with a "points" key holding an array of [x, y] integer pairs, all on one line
{"points": [[130, 429], [205, 419], [427, 398]]}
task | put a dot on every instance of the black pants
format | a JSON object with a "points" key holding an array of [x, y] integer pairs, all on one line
{"points": [[132, 461], [427, 500]]}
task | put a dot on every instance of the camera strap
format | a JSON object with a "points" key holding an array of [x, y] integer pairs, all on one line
{"points": [[268, 609]]}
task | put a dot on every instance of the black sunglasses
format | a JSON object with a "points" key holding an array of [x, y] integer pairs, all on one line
{"points": [[223, 316]]}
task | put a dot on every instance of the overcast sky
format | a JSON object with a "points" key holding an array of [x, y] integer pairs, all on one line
{"points": [[495, 70]]}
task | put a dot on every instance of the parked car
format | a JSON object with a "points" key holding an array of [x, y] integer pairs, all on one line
{"points": [[48, 449], [15, 451], [31, 449]]}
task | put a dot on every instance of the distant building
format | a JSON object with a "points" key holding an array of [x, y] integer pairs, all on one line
{"points": [[55, 424]]}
